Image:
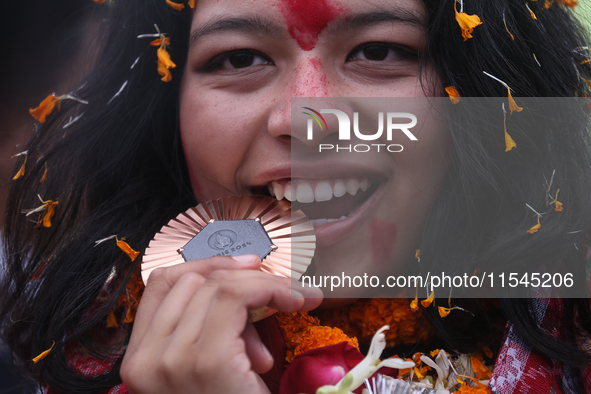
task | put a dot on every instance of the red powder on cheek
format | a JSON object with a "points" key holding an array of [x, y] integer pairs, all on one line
{"points": [[307, 18], [383, 239]]}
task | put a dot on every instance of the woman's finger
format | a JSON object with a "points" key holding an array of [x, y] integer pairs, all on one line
{"points": [[163, 280], [259, 355]]}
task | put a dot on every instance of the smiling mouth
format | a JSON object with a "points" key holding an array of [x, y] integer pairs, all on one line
{"points": [[324, 201]]}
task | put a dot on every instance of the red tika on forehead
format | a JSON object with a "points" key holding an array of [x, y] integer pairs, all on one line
{"points": [[307, 18]]}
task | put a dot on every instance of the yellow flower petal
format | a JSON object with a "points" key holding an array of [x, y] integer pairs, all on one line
{"points": [[164, 64], [509, 143], [44, 177], [426, 302], [176, 6], [414, 305], [443, 311], [467, 22], [45, 108], [534, 228], [124, 246], [112, 321], [20, 172], [454, 96], [512, 104], [44, 354], [49, 213], [558, 206]]}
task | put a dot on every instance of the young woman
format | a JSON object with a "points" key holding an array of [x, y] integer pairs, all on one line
{"points": [[138, 151]]}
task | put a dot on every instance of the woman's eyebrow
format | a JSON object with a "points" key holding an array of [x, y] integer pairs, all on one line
{"points": [[250, 25], [368, 19]]}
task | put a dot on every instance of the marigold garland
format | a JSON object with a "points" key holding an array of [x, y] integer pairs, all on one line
{"points": [[364, 317], [302, 332]]}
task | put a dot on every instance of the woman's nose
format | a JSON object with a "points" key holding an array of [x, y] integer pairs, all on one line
{"points": [[307, 79]]}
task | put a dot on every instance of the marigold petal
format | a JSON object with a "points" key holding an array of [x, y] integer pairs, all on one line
{"points": [[99, 1], [414, 305], [534, 228], [488, 352], [124, 246], [49, 213], [509, 143], [482, 371], [164, 64], [44, 354], [44, 177], [512, 104], [158, 42], [112, 321], [21, 171], [569, 3], [45, 108], [191, 3], [426, 302], [558, 207], [176, 6], [454, 96], [443, 311], [467, 22]]}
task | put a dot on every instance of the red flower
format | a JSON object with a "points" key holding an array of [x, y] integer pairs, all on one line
{"points": [[318, 367]]}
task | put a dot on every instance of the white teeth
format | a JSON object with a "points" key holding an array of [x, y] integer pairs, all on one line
{"points": [[352, 186], [322, 192], [287, 192], [339, 189], [363, 184], [278, 191], [321, 222], [304, 193]]}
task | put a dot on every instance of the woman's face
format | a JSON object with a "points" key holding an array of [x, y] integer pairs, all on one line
{"points": [[249, 58]]}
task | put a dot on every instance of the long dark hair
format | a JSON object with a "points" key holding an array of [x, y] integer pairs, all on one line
{"points": [[120, 170]]}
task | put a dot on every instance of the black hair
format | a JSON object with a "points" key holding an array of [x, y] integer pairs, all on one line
{"points": [[119, 169]]}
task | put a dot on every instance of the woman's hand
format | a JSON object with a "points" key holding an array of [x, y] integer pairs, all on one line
{"points": [[191, 333]]}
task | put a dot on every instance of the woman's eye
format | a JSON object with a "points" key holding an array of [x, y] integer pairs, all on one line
{"points": [[241, 60], [378, 52]]}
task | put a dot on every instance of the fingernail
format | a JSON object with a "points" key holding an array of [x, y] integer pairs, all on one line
{"points": [[246, 259], [267, 353]]}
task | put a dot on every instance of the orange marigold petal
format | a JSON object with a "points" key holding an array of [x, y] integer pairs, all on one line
{"points": [[20, 172], [509, 143], [414, 305], [512, 104], [164, 64], [488, 352], [124, 246], [49, 213], [426, 302], [454, 96], [534, 228], [112, 321], [191, 3], [443, 312], [44, 354], [44, 177], [45, 108], [482, 371], [467, 22], [558, 207], [176, 6], [99, 1]]}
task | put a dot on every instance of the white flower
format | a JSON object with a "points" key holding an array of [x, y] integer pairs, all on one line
{"points": [[367, 367]]}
